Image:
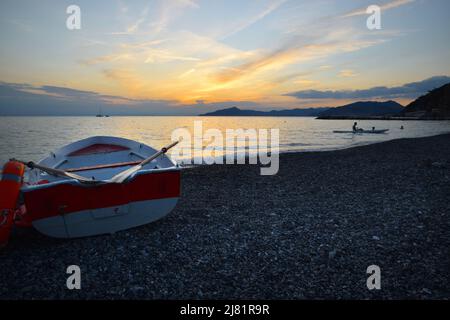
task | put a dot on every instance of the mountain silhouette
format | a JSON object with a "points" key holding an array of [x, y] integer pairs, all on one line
{"points": [[363, 109], [433, 105], [236, 112]]}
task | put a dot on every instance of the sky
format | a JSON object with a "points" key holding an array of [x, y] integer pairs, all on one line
{"points": [[192, 56]]}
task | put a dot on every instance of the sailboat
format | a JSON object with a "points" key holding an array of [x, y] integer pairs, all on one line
{"points": [[99, 114]]}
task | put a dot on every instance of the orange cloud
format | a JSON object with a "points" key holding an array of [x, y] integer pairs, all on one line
{"points": [[347, 73], [286, 56]]}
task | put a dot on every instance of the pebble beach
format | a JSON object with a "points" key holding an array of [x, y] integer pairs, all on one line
{"points": [[309, 232]]}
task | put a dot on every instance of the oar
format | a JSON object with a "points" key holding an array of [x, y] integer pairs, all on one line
{"points": [[124, 175], [58, 173]]}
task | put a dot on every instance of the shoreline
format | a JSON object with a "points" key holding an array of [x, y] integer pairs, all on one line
{"points": [[308, 151], [384, 118], [309, 232], [364, 144]]}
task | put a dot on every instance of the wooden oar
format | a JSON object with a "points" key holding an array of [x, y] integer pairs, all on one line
{"points": [[124, 175], [59, 173]]}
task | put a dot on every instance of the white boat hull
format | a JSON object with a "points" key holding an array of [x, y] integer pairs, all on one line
{"points": [[105, 220], [362, 131]]}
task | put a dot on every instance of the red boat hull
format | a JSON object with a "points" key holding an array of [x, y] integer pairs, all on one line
{"points": [[56, 209]]}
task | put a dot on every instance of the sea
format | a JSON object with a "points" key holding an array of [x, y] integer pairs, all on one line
{"points": [[33, 138]]}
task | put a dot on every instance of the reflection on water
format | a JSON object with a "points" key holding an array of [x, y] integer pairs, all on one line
{"points": [[32, 138]]}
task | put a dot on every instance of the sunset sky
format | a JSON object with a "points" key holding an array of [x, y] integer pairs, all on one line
{"points": [[181, 56]]}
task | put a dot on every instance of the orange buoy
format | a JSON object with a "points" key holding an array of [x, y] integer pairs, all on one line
{"points": [[12, 178]]}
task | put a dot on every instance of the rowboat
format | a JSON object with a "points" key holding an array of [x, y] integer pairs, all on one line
{"points": [[362, 131], [94, 186]]}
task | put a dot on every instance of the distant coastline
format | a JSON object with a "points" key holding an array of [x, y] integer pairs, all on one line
{"points": [[394, 118], [237, 112], [435, 105], [384, 118]]}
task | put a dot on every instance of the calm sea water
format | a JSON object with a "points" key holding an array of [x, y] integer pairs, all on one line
{"points": [[32, 138]]}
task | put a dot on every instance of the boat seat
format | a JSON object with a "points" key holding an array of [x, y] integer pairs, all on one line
{"points": [[97, 149]]}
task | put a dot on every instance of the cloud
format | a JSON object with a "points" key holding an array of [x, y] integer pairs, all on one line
{"points": [[250, 21], [126, 78], [123, 8], [221, 70], [107, 58], [25, 99], [94, 42], [143, 45], [290, 54], [407, 91], [67, 92], [134, 27], [21, 25], [17, 90], [293, 77], [169, 11], [159, 55], [180, 46], [347, 73], [306, 82], [321, 39], [325, 67], [383, 7], [187, 73]]}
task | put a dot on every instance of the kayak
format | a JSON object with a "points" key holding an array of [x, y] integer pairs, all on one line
{"points": [[362, 131], [94, 186]]}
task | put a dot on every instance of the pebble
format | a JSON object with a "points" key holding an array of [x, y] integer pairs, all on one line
{"points": [[332, 254]]}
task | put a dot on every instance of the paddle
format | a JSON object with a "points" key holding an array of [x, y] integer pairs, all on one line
{"points": [[124, 175], [58, 173]]}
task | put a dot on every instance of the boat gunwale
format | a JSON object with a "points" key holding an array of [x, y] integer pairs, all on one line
{"points": [[33, 187], [63, 152]]}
